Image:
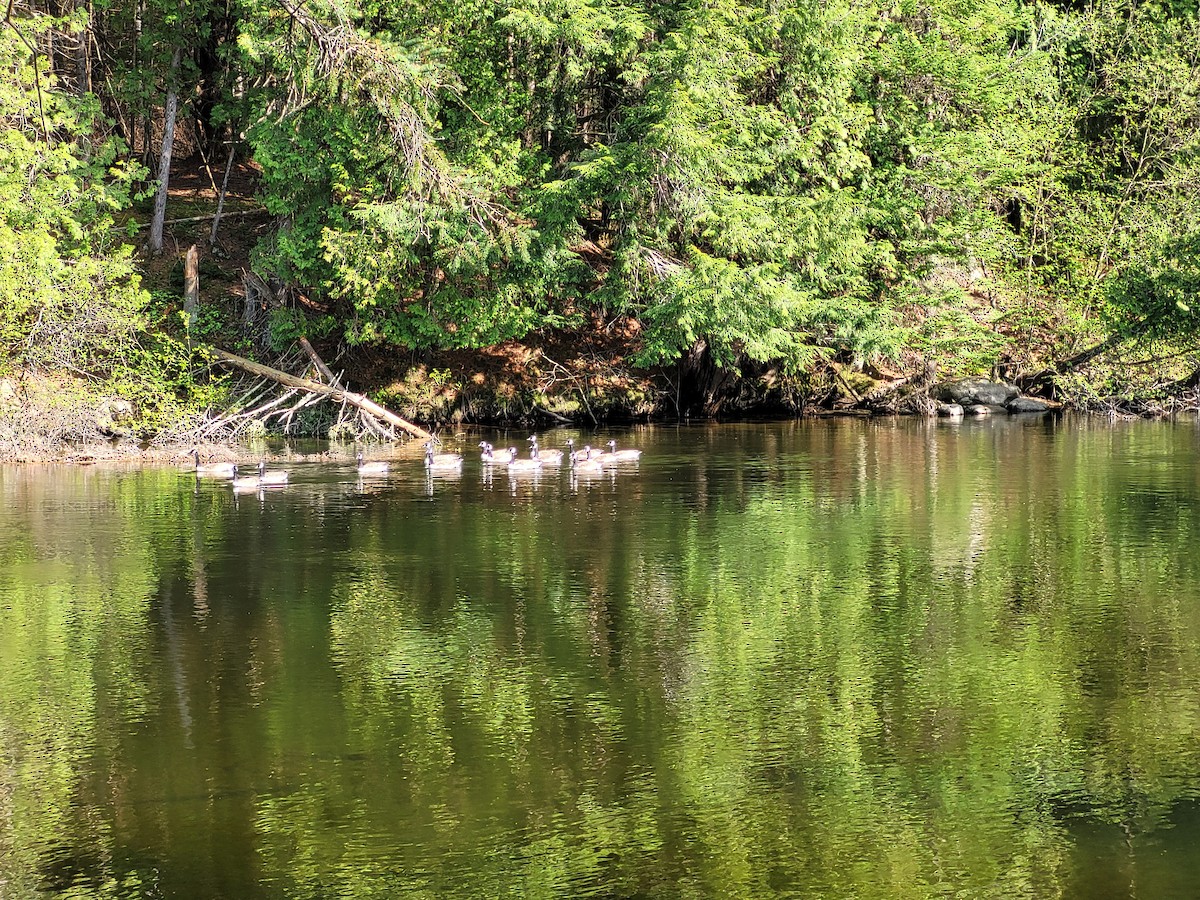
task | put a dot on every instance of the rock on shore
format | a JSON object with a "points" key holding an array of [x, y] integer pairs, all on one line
{"points": [[981, 397]]}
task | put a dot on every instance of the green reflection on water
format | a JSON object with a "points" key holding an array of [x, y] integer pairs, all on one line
{"points": [[815, 659]]}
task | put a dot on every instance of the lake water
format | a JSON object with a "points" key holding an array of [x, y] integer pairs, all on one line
{"points": [[893, 659]]}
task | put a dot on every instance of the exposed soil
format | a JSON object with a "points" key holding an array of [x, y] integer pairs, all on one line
{"points": [[550, 374], [192, 181]]}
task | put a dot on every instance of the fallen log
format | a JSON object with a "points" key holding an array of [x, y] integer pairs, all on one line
{"points": [[334, 393], [209, 217]]}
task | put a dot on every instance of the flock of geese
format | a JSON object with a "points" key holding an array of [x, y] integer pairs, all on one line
{"points": [[588, 460], [581, 461]]}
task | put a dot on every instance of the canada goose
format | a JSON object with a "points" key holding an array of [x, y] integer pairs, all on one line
{"points": [[486, 455], [246, 482], [615, 455], [370, 468], [577, 455], [587, 465], [522, 465], [545, 457], [212, 470], [279, 476], [441, 462]]}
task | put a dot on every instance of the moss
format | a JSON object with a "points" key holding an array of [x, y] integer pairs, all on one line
{"points": [[861, 382]]}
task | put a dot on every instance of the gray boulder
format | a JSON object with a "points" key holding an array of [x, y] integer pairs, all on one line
{"points": [[969, 391], [1027, 405], [950, 410]]}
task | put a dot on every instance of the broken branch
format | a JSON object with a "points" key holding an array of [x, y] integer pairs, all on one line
{"points": [[335, 393]]}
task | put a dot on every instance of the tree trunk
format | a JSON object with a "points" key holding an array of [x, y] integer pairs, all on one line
{"points": [[51, 48], [82, 68], [212, 237], [137, 116], [164, 160], [191, 282]]}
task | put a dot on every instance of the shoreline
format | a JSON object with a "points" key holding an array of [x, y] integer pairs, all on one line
{"points": [[124, 453], [43, 428], [178, 456]]}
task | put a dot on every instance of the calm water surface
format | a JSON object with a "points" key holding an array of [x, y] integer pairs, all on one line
{"points": [[816, 659]]}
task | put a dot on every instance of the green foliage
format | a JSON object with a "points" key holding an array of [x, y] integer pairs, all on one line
{"points": [[772, 181], [737, 169], [1159, 297], [1121, 179], [69, 294], [159, 380], [207, 324], [418, 253], [965, 343], [288, 324]]}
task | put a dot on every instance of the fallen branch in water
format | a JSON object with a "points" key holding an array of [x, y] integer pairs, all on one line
{"points": [[259, 412], [364, 404]]}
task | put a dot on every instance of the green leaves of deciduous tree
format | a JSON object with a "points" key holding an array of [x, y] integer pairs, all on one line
{"points": [[69, 295]]}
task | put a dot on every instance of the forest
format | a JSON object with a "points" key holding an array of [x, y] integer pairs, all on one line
{"points": [[590, 209]]}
